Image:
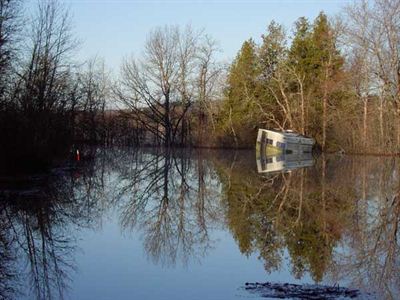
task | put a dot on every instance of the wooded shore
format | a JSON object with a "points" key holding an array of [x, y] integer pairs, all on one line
{"points": [[335, 78]]}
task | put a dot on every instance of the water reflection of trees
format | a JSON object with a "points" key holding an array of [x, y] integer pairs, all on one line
{"points": [[337, 220], [172, 197], [39, 216], [370, 252], [8, 274], [350, 204]]}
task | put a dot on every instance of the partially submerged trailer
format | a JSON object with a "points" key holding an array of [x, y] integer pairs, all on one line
{"points": [[283, 162], [273, 142]]}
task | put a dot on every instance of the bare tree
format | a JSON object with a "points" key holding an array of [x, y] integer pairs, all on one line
{"points": [[372, 27], [360, 75], [9, 29], [44, 92], [47, 69], [174, 72], [208, 85], [94, 90]]}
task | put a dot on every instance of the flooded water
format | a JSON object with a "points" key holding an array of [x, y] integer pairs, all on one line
{"points": [[199, 225]]}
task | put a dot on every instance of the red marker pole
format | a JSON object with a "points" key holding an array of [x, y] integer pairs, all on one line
{"points": [[78, 157]]}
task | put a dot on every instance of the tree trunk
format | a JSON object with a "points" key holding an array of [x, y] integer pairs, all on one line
{"points": [[183, 132], [398, 130], [325, 108], [201, 129], [324, 117], [365, 126], [382, 133], [167, 122], [233, 129], [303, 131], [302, 110]]}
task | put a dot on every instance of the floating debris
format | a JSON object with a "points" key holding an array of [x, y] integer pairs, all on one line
{"points": [[297, 291]]}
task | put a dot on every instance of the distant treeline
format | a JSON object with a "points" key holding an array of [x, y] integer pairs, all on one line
{"points": [[337, 80]]}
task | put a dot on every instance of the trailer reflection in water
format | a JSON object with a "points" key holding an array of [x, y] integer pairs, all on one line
{"points": [[283, 162]]}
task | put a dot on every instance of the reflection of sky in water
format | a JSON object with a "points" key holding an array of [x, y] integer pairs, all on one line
{"points": [[118, 254], [114, 266]]}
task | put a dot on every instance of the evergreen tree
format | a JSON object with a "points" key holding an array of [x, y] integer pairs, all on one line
{"points": [[300, 54], [327, 64], [241, 92], [273, 49], [300, 60]]}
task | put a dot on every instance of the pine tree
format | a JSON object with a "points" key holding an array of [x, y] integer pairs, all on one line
{"points": [[272, 50], [300, 54], [327, 64], [300, 60], [241, 92]]}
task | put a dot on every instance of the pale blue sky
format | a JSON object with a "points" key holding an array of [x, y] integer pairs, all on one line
{"points": [[114, 29]]}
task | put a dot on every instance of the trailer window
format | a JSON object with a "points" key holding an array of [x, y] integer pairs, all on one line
{"points": [[280, 145], [263, 137]]}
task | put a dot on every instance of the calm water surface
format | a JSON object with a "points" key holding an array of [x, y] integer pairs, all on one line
{"points": [[198, 225]]}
